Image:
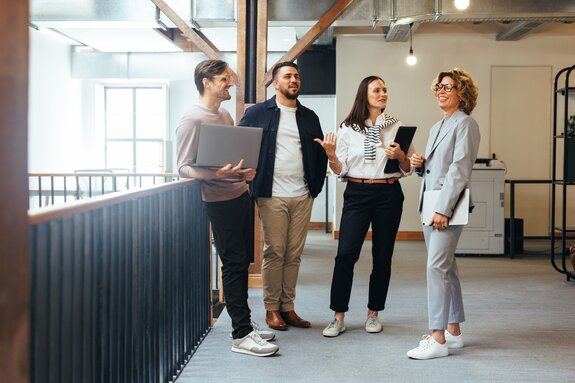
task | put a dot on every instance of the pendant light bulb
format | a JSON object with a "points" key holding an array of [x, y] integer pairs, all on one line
{"points": [[411, 59], [461, 4]]}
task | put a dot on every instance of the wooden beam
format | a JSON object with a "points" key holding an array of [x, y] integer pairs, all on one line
{"points": [[241, 58], [177, 39], [322, 24], [14, 255], [197, 38], [262, 50]]}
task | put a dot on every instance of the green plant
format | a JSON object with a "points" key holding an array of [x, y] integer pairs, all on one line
{"points": [[571, 126]]}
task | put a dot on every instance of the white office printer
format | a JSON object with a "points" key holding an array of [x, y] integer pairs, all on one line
{"points": [[484, 235]]}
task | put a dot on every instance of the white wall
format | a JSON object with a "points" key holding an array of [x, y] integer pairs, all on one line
{"points": [[55, 106], [410, 98], [62, 117], [324, 107]]}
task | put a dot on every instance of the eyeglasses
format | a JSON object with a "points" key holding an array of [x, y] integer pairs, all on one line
{"points": [[447, 87]]}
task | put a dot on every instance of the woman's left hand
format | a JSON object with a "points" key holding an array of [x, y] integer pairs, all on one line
{"points": [[393, 151], [439, 221]]}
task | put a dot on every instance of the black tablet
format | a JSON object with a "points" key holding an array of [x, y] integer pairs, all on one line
{"points": [[403, 137]]}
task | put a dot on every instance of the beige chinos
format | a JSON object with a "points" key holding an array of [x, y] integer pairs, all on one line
{"points": [[284, 224]]}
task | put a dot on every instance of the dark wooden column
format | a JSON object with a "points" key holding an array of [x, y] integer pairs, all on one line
{"points": [[14, 265]]}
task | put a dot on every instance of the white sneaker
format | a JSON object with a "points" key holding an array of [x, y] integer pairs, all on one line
{"points": [[253, 344], [453, 341], [335, 328], [372, 324], [265, 334], [428, 349]]}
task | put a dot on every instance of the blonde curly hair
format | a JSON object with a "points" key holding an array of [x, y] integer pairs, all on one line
{"points": [[467, 89]]}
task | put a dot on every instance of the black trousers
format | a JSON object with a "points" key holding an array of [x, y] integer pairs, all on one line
{"points": [[381, 206], [232, 223]]}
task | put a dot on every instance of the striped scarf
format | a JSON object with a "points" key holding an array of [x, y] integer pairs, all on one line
{"points": [[372, 138]]}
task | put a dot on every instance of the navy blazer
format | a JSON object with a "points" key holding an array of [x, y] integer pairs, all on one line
{"points": [[266, 115]]}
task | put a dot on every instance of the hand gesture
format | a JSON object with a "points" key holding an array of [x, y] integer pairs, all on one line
{"points": [[328, 144]]}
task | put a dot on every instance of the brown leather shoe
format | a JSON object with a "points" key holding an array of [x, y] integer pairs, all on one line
{"points": [[291, 318], [275, 321]]}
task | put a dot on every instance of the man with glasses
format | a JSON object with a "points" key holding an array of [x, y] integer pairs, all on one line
{"points": [[227, 203]]}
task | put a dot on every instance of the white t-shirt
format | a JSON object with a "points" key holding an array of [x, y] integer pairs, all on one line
{"points": [[288, 168]]}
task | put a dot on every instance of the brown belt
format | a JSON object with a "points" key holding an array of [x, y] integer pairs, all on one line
{"points": [[378, 181]]}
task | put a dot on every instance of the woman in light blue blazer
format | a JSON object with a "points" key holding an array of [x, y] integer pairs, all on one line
{"points": [[446, 165]]}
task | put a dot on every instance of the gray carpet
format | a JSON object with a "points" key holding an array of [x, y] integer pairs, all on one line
{"points": [[520, 326]]}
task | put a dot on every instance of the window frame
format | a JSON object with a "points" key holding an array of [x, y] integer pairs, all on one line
{"points": [[134, 140]]}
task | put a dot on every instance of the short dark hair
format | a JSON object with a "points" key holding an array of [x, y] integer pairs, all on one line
{"points": [[208, 69], [278, 66]]}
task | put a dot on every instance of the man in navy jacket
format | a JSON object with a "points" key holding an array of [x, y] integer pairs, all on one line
{"points": [[290, 174]]}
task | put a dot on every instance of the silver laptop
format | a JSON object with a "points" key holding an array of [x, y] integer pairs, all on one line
{"points": [[220, 145], [460, 214]]}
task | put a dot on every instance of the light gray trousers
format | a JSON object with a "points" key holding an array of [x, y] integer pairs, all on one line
{"points": [[444, 299]]}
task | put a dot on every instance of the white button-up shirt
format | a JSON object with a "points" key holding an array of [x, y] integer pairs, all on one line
{"points": [[350, 152]]}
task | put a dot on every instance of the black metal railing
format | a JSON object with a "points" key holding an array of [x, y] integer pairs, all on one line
{"points": [[56, 188], [120, 286]]}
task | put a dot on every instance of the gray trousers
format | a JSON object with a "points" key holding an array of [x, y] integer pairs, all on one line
{"points": [[444, 299]]}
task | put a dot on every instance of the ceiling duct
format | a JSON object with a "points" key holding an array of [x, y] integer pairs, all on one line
{"points": [[403, 12], [518, 30], [305, 12], [399, 32], [214, 12]]}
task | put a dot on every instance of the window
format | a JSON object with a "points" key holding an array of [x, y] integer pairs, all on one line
{"points": [[135, 128]]}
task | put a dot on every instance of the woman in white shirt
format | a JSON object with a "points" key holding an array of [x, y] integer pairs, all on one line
{"points": [[365, 144]]}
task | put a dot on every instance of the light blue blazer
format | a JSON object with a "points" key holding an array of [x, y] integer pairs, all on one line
{"points": [[449, 159]]}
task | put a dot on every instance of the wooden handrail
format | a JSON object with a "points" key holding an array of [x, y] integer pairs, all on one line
{"points": [[75, 207]]}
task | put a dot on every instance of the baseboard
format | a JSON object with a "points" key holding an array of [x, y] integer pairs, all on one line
{"points": [[401, 235], [319, 226], [255, 280]]}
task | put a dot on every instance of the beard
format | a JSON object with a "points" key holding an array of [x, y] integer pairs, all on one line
{"points": [[225, 95], [290, 96]]}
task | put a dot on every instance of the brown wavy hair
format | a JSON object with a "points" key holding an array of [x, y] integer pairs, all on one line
{"points": [[360, 111], [466, 87]]}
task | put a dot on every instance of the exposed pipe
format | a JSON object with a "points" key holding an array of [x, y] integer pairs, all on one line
{"points": [[375, 14], [437, 10]]}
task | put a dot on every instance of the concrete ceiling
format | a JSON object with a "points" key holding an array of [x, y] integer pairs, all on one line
{"points": [[131, 26]]}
